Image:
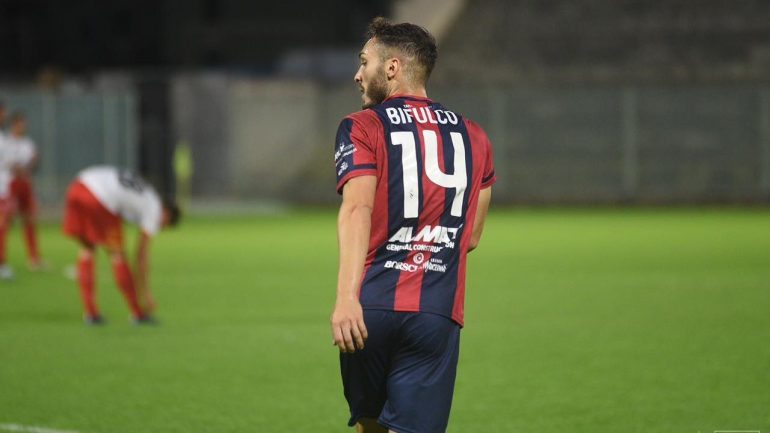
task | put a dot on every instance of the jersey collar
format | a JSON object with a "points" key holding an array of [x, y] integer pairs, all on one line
{"points": [[410, 97]]}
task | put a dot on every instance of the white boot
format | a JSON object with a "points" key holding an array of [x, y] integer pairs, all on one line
{"points": [[6, 273]]}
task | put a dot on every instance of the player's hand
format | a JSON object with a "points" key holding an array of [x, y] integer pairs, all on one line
{"points": [[148, 303], [348, 328]]}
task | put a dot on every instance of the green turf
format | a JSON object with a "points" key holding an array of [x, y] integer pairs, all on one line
{"points": [[654, 321]]}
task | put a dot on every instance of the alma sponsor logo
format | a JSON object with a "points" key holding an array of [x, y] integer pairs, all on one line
{"points": [[433, 234]]}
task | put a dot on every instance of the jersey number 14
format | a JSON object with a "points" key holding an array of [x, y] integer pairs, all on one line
{"points": [[458, 180]]}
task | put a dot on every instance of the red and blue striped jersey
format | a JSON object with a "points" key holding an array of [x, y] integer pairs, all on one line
{"points": [[430, 165]]}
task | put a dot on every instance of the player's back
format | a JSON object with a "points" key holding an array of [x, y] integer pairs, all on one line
{"points": [[125, 193], [430, 165]]}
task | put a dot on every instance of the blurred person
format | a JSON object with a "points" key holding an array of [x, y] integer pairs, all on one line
{"points": [[2, 119], [6, 213], [415, 180], [97, 203], [6, 273], [21, 161]]}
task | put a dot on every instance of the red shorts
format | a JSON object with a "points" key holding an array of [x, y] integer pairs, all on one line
{"points": [[21, 191], [85, 218]]}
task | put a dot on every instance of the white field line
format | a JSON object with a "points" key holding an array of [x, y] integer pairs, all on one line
{"points": [[32, 429]]}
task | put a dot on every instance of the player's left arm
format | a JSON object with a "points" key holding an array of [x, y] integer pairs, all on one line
{"points": [[142, 272], [485, 197], [353, 229], [32, 164]]}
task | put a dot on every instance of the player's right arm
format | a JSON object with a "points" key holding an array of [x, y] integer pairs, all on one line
{"points": [[142, 272], [353, 230], [32, 163], [488, 178]]}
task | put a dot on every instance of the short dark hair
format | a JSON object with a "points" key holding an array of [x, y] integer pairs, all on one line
{"points": [[410, 39], [174, 213]]}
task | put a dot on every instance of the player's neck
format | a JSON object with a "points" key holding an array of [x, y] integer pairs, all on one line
{"points": [[407, 90]]}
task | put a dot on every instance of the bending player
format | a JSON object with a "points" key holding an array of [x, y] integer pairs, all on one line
{"points": [[6, 273], [97, 203]]}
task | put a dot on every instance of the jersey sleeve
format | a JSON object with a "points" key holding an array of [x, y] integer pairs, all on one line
{"points": [[28, 152], [489, 177], [478, 135], [354, 153], [152, 213]]}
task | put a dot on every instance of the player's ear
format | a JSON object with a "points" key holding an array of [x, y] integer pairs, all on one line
{"points": [[392, 66]]}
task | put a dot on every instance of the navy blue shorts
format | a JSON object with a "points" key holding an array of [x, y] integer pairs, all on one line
{"points": [[405, 376]]}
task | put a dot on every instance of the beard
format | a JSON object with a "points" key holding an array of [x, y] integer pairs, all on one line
{"points": [[376, 91]]}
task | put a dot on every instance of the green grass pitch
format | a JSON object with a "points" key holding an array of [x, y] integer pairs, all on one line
{"points": [[603, 320]]}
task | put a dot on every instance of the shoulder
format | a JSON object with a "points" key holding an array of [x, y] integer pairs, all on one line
{"points": [[365, 122], [472, 124], [475, 130], [367, 117]]}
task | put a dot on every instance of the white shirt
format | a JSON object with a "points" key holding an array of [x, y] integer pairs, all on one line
{"points": [[6, 162], [126, 194], [22, 149]]}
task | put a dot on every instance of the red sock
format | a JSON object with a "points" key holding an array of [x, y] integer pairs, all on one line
{"points": [[30, 237], [86, 282], [125, 281]]}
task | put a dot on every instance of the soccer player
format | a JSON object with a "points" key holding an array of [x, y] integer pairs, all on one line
{"points": [[415, 179], [6, 273], [2, 119], [97, 202], [22, 159]]}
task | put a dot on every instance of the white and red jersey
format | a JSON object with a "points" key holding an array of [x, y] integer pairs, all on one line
{"points": [[22, 150], [125, 194], [6, 162]]}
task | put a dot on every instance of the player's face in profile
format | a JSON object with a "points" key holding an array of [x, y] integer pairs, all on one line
{"points": [[371, 77]]}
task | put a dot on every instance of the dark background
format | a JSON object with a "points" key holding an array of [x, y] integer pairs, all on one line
{"points": [[80, 36]]}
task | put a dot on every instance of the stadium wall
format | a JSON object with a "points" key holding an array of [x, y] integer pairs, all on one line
{"points": [[554, 145], [271, 140]]}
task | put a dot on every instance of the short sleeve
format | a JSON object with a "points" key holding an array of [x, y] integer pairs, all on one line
{"points": [[485, 157], [488, 177], [354, 153], [28, 151], [152, 212]]}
